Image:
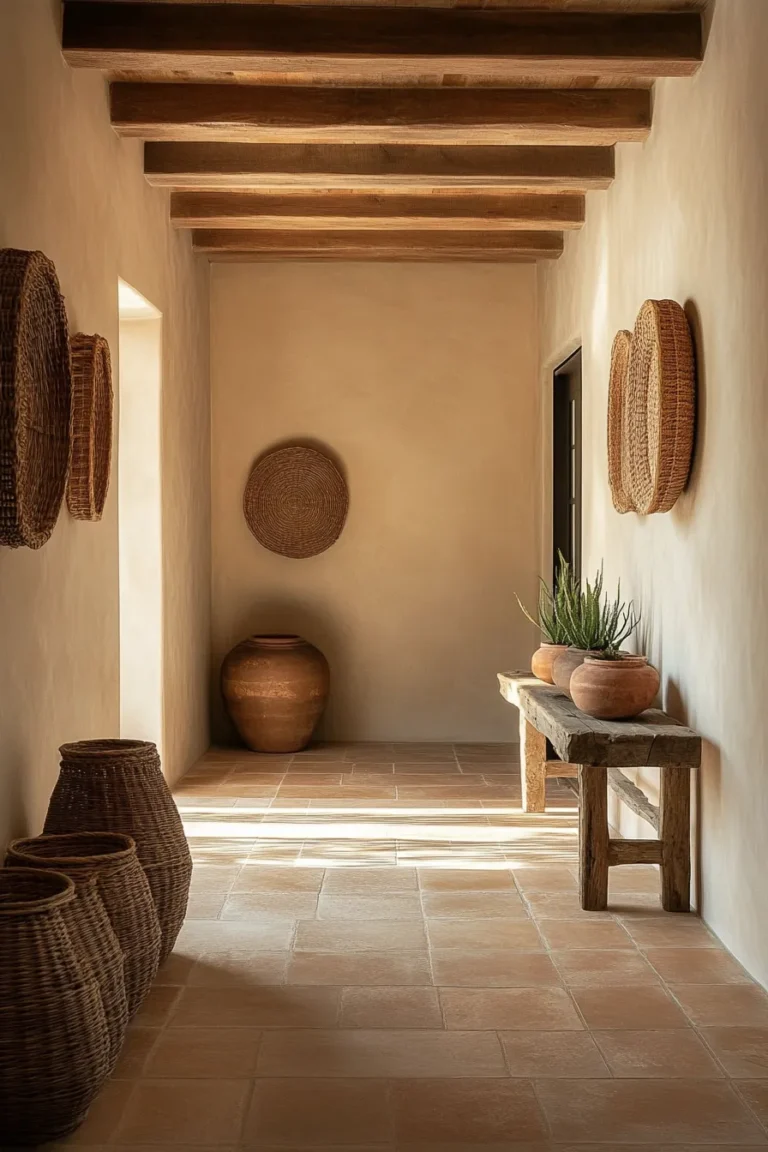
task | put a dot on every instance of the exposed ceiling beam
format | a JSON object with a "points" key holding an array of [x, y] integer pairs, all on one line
{"points": [[352, 45], [356, 245], [329, 211], [267, 115], [376, 167]]}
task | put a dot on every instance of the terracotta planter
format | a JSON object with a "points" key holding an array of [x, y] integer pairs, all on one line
{"points": [[565, 665], [275, 689], [614, 689], [543, 660]]}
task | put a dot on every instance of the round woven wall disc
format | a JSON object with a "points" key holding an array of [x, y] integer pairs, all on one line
{"points": [[296, 502], [91, 427], [35, 398], [618, 458], [661, 406]]}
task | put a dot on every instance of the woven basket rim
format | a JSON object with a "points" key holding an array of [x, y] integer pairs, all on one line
{"points": [[61, 891], [23, 849], [105, 749]]}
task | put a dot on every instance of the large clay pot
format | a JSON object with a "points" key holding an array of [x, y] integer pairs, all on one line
{"points": [[543, 660], [614, 689], [275, 689], [565, 665]]}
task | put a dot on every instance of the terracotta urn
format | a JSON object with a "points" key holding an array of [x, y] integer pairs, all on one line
{"points": [[615, 689], [275, 689], [565, 665], [543, 660]]}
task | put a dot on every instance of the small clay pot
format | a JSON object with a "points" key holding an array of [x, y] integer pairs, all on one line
{"points": [[565, 665], [614, 689], [543, 660]]}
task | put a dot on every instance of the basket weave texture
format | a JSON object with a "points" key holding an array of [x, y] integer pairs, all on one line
{"points": [[110, 860], [91, 427], [296, 502], [117, 785], [54, 1040], [661, 406], [618, 458], [35, 398]]}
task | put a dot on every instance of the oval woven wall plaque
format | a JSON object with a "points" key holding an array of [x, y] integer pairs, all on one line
{"points": [[618, 460], [91, 427], [296, 502], [661, 406], [35, 398]]}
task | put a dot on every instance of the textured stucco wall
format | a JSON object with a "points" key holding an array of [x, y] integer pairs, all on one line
{"points": [[422, 379], [71, 188], [686, 219]]}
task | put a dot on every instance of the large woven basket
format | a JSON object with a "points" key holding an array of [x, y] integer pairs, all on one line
{"points": [[110, 859], [660, 406], [618, 456], [91, 427], [35, 398], [54, 1040], [117, 785], [296, 502]]}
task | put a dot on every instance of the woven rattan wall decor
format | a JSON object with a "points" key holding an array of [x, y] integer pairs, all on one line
{"points": [[296, 502], [91, 427], [35, 398], [618, 459]]}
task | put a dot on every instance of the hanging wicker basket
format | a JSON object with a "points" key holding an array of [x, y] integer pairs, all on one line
{"points": [[296, 502], [91, 427], [661, 406], [54, 1040], [618, 457], [35, 398], [118, 785], [109, 859]]}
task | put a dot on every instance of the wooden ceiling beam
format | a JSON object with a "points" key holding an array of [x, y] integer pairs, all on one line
{"points": [[351, 244], [332, 211], [352, 45], [213, 166], [273, 115]]}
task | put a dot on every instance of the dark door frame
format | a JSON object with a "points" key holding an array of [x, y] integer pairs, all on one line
{"points": [[566, 462]]}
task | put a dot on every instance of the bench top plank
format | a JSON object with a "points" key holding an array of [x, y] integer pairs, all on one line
{"points": [[653, 739]]}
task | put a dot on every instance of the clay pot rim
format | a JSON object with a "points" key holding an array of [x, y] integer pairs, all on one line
{"points": [[277, 639], [621, 660], [551, 644]]}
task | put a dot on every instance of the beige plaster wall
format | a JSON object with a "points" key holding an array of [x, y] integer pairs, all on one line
{"points": [[421, 379], [69, 187], [686, 219]]}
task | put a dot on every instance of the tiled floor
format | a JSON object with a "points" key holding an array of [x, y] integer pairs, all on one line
{"points": [[383, 953]]}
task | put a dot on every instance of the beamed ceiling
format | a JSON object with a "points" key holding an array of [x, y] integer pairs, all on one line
{"points": [[375, 132]]}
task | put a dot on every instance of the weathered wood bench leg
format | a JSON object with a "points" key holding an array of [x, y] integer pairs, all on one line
{"points": [[675, 835], [533, 767], [593, 837]]}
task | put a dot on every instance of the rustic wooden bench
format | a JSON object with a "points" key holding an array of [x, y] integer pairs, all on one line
{"points": [[594, 751]]}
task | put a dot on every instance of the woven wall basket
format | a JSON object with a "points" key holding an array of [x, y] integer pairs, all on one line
{"points": [[618, 458], [296, 502], [91, 427], [661, 405], [35, 398]]}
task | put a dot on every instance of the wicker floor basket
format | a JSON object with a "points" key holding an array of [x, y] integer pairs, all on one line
{"points": [[117, 785], [110, 859], [54, 1041]]}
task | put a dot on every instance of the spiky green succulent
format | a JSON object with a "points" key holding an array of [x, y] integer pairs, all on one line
{"points": [[596, 623]]}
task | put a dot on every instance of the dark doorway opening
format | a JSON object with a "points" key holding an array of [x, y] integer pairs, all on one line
{"points": [[566, 457]]}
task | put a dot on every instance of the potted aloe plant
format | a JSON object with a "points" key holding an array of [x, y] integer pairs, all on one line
{"points": [[551, 622]]}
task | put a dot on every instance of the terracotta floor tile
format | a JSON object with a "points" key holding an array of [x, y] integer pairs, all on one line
{"points": [[263, 878], [497, 933], [600, 968], [319, 1112], [313, 779], [397, 1053], [697, 966], [239, 969], [359, 968], [204, 1053], [561, 906], [480, 1111], [369, 881], [646, 1112], [564, 935], [175, 970], [492, 968], [426, 768], [104, 1115], [184, 1111], [390, 1007], [208, 878], [473, 905], [755, 1092], [721, 1005], [157, 1006], [637, 1008], [528, 1009], [282, 1007], [558, 1055], [670, 932], [743, 1052], [667, 1054], [466, 880], [263, 906], [138, 1044], [359, 936], [329, 792], [555, 878], [200, 937], [378, 907], [634, 878]]}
